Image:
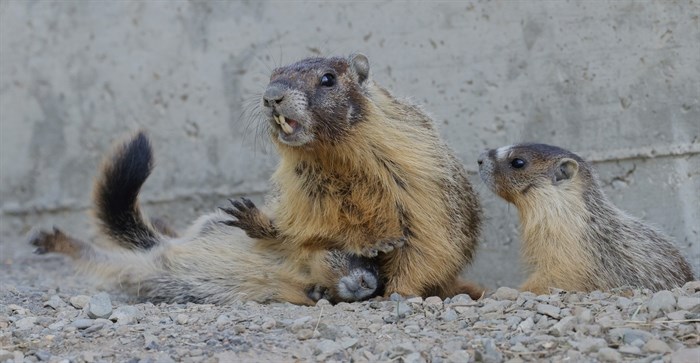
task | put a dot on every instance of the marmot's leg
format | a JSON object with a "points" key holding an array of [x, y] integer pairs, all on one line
{"points": [[413, 272], [250, 219], [58, 242]]}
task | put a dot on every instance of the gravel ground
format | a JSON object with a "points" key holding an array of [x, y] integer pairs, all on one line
{"points": [[47, 313]]}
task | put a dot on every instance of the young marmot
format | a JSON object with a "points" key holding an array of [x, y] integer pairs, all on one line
{"points": [[210, 263], [364, 172], [573, 237]]}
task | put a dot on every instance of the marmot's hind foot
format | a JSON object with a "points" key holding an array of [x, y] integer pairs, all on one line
{"points": [[47, 242], [250, 219], [384, 246]]}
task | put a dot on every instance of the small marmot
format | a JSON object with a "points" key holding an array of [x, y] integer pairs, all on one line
{"points": [[365, 172], [573, 237], [209, 263]]}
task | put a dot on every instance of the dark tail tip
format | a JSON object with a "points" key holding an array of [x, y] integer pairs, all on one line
{"points": [[116, 194]]}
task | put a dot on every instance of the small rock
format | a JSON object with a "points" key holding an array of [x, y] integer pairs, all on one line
{"points": [[590, 345], [548, 310], [126, 315], [629, 349], [628, 335], [526, 325], [688, 303], [656, 346], [662, 301], [348, 343], [677, 315], [100, 306], [609, 355], [433, 301], [25, 323], [685, 355], [42, 355], [505, 293], [583, 315], [415, 300], [181, 319], [327, 347], [323, 302], [410, 329], [304, 334], [563, 326], [150, 342], [268, 323], [55, 302], [79, 301], [458, 356], [83, 323], [402, 309], [5, 355], [396, 297], [449, 315], [301, 323], [56, 326], [692, 286], [490, 353], [413, 358], [461, 299]]}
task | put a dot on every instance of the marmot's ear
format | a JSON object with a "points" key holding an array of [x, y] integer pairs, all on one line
{"points": [[360, 65], [566, 169]]}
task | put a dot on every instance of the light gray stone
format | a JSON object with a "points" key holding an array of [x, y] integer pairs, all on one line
{"points": [[609, 355], [656, 346], [505, 293], [662, 301], [688, 303], [25, 323], [548, 310], [686, 355], [79, 301], [100, 306], [563, 326]]}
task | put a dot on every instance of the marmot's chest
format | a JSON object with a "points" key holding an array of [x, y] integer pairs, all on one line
{"points": [[340, 207]]}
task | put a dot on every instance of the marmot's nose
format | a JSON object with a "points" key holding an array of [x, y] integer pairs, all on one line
{"points": [[273, 95], [482, 157]]}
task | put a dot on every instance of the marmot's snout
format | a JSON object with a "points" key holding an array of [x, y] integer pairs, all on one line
{"points": [[285, 109]]}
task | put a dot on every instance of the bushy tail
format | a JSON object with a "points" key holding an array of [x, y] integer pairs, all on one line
{"points": [[116, 194]]}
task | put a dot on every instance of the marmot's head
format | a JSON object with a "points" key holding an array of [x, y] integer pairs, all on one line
{"points": [[520, 172], [316, 100]]}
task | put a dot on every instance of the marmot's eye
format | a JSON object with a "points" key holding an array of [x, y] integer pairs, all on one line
{"points": [[328, 80], [517, 163]]}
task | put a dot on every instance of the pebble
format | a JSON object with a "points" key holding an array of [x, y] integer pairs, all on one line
{"points": [[630, 349], [100, 306], [415, 300], [589, 345], [685, 355], [126, 314], [83, 323], [55, 302], [490, 353], [268, 323], [396, 297], [662, 301], [656, 346], [449, 315], [548, 310], [505, 293], [688, 303], [79, 301], [5, 355], [327, 347], [25, 323], [563, 326], [458, 356], [609, 355], [433, 301], [304, 334], [181, 319]]}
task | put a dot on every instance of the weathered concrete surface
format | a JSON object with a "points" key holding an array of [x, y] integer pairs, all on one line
{"points": [[618, 82]]}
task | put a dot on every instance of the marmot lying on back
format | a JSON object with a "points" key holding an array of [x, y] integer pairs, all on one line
{"points": [[209, 263], [366, 173], [573, 237]]}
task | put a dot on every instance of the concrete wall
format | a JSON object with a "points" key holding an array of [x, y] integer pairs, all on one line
{"points": [[617, 82]]}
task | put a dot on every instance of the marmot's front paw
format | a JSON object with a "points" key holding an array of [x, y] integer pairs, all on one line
{"points": [[317, 293], [384, 246], [46, 242], [250, 219]]}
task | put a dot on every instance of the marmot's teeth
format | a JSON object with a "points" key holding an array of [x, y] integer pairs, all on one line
{"points": [[285, 126]]}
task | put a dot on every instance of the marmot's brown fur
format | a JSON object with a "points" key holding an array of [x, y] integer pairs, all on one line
{"points": [[573, 237], [364, 172], [209, 263]]}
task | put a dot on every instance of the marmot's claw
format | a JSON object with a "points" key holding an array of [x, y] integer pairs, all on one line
{"points": [[385, 246]]}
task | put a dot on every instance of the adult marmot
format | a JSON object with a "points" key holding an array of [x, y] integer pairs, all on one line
{"points": [[573, 237]]}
